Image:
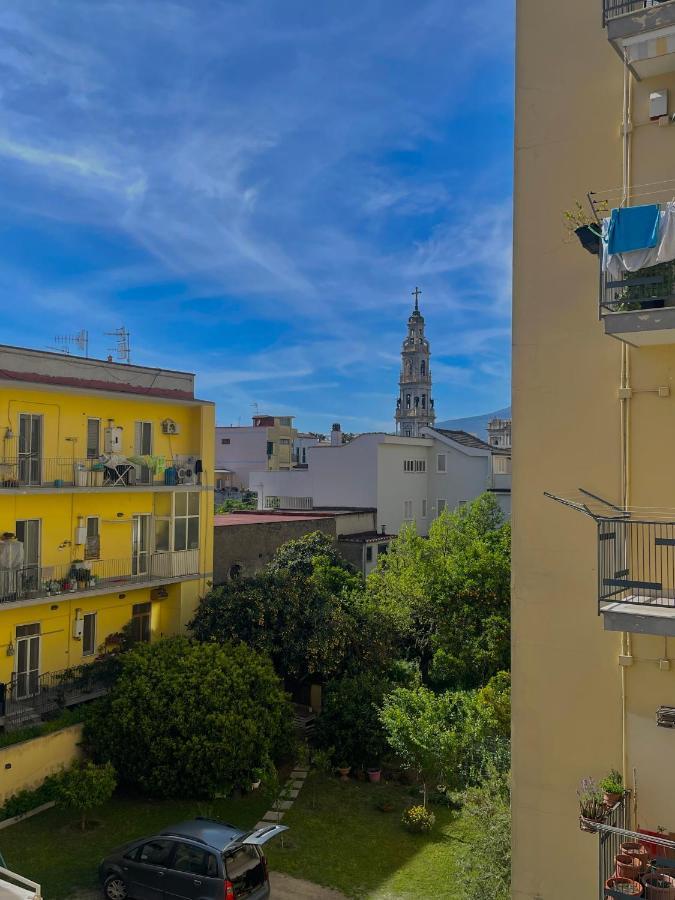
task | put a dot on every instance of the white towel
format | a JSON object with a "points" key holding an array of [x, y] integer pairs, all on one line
{"points": [[615, 264]]}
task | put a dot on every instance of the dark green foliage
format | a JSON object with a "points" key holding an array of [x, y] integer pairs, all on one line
{"points": [[26, 801], [85, 786], [299, 557], [66, 718], [190, 719], [349, 722], [487, 866], [250, 501]]}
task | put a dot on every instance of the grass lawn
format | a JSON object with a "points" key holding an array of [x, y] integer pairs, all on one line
{"points": [[61, 858], [347, 843]]}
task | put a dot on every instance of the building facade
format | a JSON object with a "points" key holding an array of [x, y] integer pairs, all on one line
{"points": [[499, 433], [593, 586], [415, 405], [106, 509], [266, 444]]}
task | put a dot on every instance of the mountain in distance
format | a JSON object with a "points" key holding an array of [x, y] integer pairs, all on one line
{"points": [[475, 424]]}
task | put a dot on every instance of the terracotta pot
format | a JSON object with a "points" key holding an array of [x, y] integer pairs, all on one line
{"points": [[627, 866], [589, 825], [611, 799], [374, 775], [638, 851], [659, 887], [344, 773], [626, 886]]}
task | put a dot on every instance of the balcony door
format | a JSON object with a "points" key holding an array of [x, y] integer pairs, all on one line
{"points": [[140, 545], [30, 449], [28, 533], [27, 675], [143, 447]]}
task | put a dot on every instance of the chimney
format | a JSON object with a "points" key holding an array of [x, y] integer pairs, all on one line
{"points": [[335, 435]]}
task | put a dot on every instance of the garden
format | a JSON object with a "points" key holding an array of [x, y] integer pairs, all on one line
{"points": [[409, 757]]}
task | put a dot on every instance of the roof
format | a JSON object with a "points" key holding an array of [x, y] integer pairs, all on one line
{"points": [[263, 518], [464, 438], [366, 537], [217, 835]]}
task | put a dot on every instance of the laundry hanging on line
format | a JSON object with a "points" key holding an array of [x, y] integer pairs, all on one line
{"points": [[633, 228], [615, 264]]}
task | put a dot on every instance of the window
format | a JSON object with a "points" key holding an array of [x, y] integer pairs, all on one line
{"points": [[501, 465], [155, 853], [270, 448], [440, 506], [195, 861], [92, 547], [407, 401], [383, 549], [224, 440], [93, 438], [235, 572], [219, 484], [407, 510], [143, 438], [424, 507], [284, 441], [89, 635], [424, 401], [423, 369], [369, 554], [285, 421], [186, 521], [140, 623], [460, 504], [441, 462], [414, 465]]}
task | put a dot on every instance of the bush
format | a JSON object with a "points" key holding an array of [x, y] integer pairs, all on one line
{"points": [[66, 718], [27, 800], [487, 867], [85, 786], [190, 719], [418, 819], [349, 722]]}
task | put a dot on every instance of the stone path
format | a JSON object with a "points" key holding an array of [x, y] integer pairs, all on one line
{"points": [[289, 793], [284, 887]]}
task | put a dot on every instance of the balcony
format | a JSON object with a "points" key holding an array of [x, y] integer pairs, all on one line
{"points": [[96, 576], [656, 856], [639, 307], [636, 564], [28, 472], [643, 30]]}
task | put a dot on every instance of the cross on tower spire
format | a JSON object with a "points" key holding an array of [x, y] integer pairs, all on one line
{"points": [[416, 293]]}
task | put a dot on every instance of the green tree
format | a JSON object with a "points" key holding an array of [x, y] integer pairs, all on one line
{"points": [[190, 719], [487, 865], [85, 786], [449, 594]]}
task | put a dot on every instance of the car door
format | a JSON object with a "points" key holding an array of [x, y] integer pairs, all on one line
{"points": [[146, 871], [194, 874]]}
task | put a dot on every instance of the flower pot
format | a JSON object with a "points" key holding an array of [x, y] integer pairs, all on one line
{"points": [[81, 585], [627, 866], [589, 825], [374, 776], [344, 772], [626, 886], [588, 239], [255, 785], [655, 303], [611, 799], [659, 887], [637, 851]]}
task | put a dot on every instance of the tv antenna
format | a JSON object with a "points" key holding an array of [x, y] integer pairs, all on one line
{"points": [[256, 408], [80, 340], [123, 348]]}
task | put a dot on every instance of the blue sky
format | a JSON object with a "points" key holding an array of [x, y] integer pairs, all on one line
{"points": [[254, 188]]}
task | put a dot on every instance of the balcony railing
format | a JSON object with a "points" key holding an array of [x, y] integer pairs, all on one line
{"points": [[613, 8], [274, 502], [615, 831], [30, 471], [36, 582], [639, 32], [22, 704]]}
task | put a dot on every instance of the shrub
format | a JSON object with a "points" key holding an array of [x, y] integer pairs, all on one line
{"points": [[612, 783], [418, 819], [349, 721], [487, 867], [190, 719], [27, 800], [85, 786]]}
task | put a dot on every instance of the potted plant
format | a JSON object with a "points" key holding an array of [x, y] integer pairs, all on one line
{"points": [[612, 788], [638, 851], [624, 886], [659, 886], [591, 805], [82, 578], [256, 779], [584, 226], [627, 866], [374, 774], [92, 580], [344, 769]]}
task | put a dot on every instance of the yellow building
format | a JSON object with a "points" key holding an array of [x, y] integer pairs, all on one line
{"points": [[593, 408], [106, 480]]}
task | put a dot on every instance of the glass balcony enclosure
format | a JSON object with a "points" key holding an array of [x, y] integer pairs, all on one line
{"points": [[644, 32]]}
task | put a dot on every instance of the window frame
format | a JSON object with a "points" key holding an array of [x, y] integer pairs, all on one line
{"points": [[87, 553], [141, 613], [94, 453], [408, 504], [92, 651], [441, 504], [442, 470]]}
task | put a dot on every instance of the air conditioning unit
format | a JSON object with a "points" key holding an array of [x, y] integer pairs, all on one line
{"points": [[186, 475], [78, 626], [170, 427]]}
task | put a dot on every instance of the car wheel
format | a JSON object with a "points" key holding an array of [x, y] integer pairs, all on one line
{"points": [[115, 888]]}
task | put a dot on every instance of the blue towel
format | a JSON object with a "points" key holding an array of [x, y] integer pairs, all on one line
{"points": [[633, 228]]}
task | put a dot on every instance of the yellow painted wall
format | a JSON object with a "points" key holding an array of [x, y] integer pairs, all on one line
{"points": [[65, 414], [567, 700], [32, 761], [282, 458]]}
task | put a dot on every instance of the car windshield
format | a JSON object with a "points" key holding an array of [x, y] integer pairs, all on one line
{"points": [[245, 870]]}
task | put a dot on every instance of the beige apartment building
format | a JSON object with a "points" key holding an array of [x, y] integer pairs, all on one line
{"points": [[594, 409], [265, 444]]}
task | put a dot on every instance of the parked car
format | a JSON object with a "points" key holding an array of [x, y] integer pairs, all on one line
{"points": [[200, 859]]}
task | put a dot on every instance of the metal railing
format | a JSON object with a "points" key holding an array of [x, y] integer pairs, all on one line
{"points": [[636, 561], [649, 288], [288, 502], [29, 703], [613, 8], [35, 582], [615, 831], [30, 471]]}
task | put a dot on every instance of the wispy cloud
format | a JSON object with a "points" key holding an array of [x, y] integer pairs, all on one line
{"points": [[255, 188]]}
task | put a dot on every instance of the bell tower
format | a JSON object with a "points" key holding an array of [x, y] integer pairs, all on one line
{"points": [[415, 406]]}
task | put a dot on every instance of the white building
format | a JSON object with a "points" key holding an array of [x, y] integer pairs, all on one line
{"points": [[265, 444], [405, 478]]}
